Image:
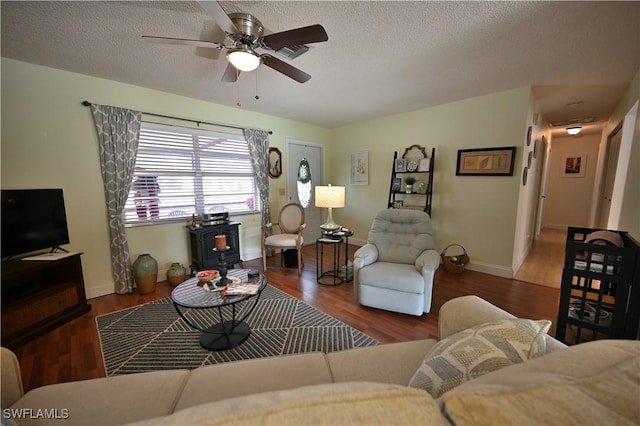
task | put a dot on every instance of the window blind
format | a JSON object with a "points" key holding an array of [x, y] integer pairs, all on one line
{"points": [[181, 171]]}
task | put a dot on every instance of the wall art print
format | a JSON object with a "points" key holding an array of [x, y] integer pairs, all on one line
{"points": [[486, 162], [573, 166], [360, 168]]}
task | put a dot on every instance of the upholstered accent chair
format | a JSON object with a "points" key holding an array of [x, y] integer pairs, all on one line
{"points": [[291, 223], [395, 269]]}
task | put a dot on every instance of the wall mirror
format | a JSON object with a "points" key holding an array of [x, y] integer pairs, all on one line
{"points": [[275, 162]]}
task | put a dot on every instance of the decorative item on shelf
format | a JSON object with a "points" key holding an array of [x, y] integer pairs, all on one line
{"points": [[176, 274], [414, 153], [424, 165], [397, 184], [145, 273], [409, 181], [422, 188], [397, 204], [330, 197], [400, 165], [455, 263]]}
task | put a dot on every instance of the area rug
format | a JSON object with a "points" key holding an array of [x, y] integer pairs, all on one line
{"points": [[153, 337]]}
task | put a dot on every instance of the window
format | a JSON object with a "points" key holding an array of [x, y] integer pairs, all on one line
{"points": [[181, 171]]}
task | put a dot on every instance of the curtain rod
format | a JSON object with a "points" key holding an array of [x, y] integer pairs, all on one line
{"points": [[198, 122]]}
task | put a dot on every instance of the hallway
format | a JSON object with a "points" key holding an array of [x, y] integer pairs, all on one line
{"points": [[544, 263]]}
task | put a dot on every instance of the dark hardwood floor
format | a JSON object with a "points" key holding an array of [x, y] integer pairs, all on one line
{"points": [[72, 352]]}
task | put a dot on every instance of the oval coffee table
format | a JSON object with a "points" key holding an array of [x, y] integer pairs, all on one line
{"points": [[227, 333]]}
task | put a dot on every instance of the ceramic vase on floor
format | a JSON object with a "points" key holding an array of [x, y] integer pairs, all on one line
{"points": [[176, 274], [145, 273]]}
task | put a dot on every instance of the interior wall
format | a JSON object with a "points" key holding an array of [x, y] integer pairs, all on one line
{"points": [[568, 198], [476, 212], [49, 141], [629, 210], [529, 187]]}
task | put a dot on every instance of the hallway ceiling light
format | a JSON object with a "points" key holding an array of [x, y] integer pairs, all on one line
{"points": [[574, 130]]}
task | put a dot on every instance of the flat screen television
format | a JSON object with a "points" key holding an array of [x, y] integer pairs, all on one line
{"points": [[32, 220]]}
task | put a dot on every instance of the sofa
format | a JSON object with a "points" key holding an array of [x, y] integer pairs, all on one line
{"points": [[590, 383]]}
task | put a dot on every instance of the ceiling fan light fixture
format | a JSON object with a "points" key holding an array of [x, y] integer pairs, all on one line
{"points": [[574, 130], [243, 58]]}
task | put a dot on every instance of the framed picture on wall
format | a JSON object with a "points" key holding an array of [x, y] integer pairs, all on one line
{"points": [[486, 161], [360, 168], [573, 166]]}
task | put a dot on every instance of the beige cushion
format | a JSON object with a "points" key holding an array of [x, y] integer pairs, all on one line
{"points": [[476, 311], [593, 383], [11, 378], [379, 363], [479, 350], [107, 401], [283, 240], [355, 403], [232, 379]]}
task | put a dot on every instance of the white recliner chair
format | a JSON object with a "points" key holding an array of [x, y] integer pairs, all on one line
{"points": [[395, 269]]}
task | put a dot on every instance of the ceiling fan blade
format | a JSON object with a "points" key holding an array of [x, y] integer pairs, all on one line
{"points": [[230, 74], [184, 42], [286, 69], [216, 11], [304, 35]]}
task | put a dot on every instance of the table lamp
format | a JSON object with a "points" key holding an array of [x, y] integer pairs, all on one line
{"points": [[330, 197]]}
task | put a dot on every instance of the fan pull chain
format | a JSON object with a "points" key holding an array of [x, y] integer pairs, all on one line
{"points": [[238, 103], [257, 97]]}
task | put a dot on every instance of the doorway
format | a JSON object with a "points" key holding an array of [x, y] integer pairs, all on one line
{"points": [[313, 153], [609, 176]]}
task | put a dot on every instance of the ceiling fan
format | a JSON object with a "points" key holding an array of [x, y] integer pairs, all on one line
{"points": [[245, 33]]}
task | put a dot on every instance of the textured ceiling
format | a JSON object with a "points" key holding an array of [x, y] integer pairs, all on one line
{"points": [[382, 57]]}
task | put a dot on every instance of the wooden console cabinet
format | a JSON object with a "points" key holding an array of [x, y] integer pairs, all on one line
{"points": [[40, 295], [203, 242]]}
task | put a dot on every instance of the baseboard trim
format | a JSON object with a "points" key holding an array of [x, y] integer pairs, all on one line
{"points": [[103, 290], [487, 268]]}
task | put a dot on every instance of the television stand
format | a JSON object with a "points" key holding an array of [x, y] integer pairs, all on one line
{"points": [[40, 295], [49, 256]]}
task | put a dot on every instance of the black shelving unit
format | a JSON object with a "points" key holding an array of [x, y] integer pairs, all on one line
{"points": [[416, 199], [600, 290]]}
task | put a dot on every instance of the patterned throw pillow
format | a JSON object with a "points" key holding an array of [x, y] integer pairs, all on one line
{"points": [[479, 350]]}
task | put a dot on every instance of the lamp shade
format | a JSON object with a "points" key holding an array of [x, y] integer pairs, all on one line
{"points": [[330, 196], [243, 59], [574, 130]]}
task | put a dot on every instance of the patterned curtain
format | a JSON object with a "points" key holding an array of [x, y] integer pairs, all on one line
{"points": [[119, 131], [259, 150]]}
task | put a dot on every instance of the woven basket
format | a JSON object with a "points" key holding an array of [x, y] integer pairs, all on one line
{"points": [[457, 263]]}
